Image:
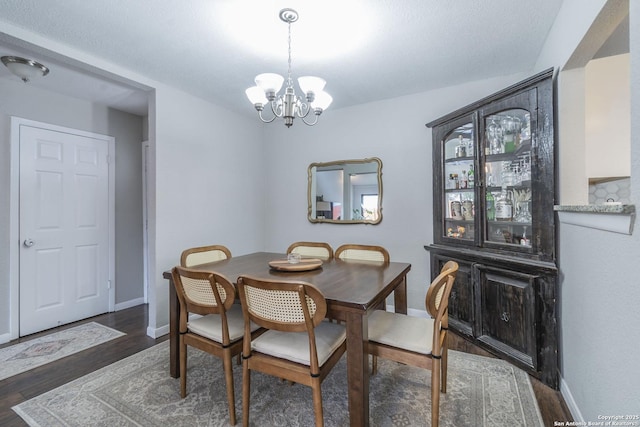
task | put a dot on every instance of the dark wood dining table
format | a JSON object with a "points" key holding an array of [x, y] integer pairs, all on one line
{"points": [[351, 288]]}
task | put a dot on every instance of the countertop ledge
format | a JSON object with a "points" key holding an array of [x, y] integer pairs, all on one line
{"points": [[613, 217], [613, 208]]}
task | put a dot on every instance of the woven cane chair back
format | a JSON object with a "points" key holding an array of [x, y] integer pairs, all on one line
{"points": [[279, 305], [196, 292], [362, 253], [311, 249], [204, 255]]}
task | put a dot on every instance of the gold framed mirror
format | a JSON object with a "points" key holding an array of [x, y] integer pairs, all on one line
{"points": [[345, 191]]}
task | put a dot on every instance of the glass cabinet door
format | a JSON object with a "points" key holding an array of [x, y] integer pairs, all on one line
{"points": [[507, 178], [459, 182]]}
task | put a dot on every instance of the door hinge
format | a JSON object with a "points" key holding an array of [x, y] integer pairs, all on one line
{"points": [[108, 284]]}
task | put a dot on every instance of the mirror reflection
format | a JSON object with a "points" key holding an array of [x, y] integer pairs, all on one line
{"points": [[346, 191]]}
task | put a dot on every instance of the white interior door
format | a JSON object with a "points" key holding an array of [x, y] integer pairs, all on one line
{"points": [[64, 228]]}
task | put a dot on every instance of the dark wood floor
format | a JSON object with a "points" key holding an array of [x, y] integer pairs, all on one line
{"points": [[133, 322]]}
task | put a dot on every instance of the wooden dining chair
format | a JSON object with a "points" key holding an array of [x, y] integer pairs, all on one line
{"points": [[297, 346], [311, 249], [362, 253], [353, 252], [204, 255], [418, 341], [220, 329]]}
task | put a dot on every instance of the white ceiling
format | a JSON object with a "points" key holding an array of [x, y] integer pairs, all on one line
{"points": [[366, 50]]}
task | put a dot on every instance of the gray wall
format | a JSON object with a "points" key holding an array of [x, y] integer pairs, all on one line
{"points": [[599, 292], [25, 101], [127, 130], [209, 184]]}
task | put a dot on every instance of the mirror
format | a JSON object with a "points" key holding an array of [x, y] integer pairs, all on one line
{"points": [[346, 191]]}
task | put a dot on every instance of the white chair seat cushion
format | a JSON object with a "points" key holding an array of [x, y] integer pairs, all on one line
{"points": [[210, 326], [402, 331], [294, 346]]}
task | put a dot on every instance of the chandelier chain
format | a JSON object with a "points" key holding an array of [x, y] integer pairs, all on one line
{"points": [[289, 81]]}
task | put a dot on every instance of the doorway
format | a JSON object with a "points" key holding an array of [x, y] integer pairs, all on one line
{"points": [[64, 248]]}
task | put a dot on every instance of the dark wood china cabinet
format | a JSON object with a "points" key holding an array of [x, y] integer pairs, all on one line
{"points": [[494, 191]]}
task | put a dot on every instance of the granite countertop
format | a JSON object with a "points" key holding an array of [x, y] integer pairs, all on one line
{"points": [[607, 208], [614, 217]]}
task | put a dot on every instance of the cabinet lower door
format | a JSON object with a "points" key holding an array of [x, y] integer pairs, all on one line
{"points": [[507, 313]]}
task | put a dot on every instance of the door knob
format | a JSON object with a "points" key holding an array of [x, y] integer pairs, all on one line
{"points": [[29, 242]]}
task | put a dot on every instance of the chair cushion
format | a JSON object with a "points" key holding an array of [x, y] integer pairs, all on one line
{"points": [[210, 326], [402, 331], [294, 346]]}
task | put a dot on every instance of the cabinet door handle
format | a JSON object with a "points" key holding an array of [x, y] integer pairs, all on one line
{"points": [[505, 317]]}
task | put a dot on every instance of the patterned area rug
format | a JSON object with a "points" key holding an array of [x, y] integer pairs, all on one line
{"points": [[138, 391], [26, 355]]}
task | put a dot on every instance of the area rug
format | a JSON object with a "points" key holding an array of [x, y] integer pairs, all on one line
{"points": [[138, 391], [30, 354]]}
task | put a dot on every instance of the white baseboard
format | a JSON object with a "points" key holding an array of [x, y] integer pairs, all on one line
{"points": [[157, 332], [5, 338], [129, 304], [164, 330], [570, 401]]}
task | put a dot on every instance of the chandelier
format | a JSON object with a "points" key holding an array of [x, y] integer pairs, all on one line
{"points": [[288, 106]]}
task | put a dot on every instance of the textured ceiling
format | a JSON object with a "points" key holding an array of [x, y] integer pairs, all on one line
{"points": [[365, 50]]}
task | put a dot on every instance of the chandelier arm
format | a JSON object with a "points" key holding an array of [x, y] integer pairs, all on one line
{"points": [[264, 120], [276, 107], [303, 110], [310, 123]]}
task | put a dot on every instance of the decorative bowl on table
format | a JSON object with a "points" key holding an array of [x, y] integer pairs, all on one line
{"points": [[302, 264]]}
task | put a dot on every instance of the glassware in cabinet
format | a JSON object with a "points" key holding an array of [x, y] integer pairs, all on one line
{"points": [[507, 178], [458, 180]]}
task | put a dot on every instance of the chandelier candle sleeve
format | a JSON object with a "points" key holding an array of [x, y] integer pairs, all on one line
{"points": [[288, 106]]}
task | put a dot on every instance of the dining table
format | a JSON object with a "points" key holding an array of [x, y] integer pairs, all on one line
{"points": [[352, 289]]}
